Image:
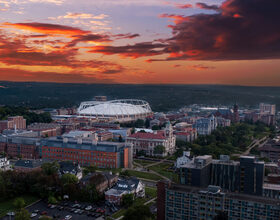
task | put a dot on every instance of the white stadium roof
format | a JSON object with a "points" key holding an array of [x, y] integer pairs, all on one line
{"points": [[115, 108]]}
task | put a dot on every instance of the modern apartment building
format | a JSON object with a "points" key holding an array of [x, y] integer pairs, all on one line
{"points": [[185, 202], [245, 176]]}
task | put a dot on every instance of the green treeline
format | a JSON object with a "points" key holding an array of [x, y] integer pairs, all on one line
{"points": [[30, 117], [226, 140]]}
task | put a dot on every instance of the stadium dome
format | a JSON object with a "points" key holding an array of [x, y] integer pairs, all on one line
{"points": [[118, 110]]}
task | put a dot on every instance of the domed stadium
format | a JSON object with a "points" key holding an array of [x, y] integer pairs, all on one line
{"points": [[121, 110]]}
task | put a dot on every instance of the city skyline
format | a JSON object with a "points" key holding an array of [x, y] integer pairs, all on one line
{"points": [[230, 42]]}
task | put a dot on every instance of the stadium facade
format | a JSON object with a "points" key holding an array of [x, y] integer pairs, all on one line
{"points": [[122, 110]]}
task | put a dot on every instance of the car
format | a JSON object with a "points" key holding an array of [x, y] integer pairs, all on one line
{"points": [[33, 215], [10, 213], [81, 212], [88, 208], [36, 211], [44, 213], [67, 217], [77, 211], [60, 208], [52, 206]]}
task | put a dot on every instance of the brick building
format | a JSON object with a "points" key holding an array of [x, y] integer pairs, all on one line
{"points": [[15, 122], [84, 152]]}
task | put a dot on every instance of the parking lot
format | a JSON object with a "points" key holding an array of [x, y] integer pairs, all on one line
{"points": [[75, 210]]}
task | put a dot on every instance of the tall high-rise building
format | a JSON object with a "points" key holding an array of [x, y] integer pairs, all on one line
{"points": [[251, 175], [267, 109]]}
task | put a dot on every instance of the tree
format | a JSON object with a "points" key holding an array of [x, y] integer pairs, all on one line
{"points": [[125, 173], [23, 214], [50, 168], [140, 212], [127, 200], [147, 123], [69, 178], [52, 200], [89, 169], [19, 203], [159, 149]]}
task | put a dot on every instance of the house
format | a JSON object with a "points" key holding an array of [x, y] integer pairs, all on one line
{"points": [[70, 167], [4, 163], [185, 159], [101, 180], [125, 186]]}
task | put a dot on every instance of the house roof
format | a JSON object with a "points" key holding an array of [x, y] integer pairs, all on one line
{"points": [[142, 135]]}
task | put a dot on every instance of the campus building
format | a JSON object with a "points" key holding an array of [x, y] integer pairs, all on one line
{"points": [[146, 141], [185, 202], [20, 146], [85, 152], [15, 122], [205, 126]]}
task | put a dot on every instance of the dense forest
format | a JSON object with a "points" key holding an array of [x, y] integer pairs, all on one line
{"points": [[30, 117], [160, 97]]}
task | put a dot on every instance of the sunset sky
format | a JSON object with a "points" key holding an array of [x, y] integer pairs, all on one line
{"points": [[233, 42]]}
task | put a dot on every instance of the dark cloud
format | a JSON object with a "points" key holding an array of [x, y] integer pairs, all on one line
{"points": [[239, 30], [133, 51], [205, 6], [126, 36]]}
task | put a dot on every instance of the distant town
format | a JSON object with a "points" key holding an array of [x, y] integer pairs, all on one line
{"points": [[115, 159]]}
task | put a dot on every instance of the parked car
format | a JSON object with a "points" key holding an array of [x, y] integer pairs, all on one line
{"points": [[52, 206], [33, 215], [67, 217], [88, 208], [10, 214], [44, 213], [36, 211]]}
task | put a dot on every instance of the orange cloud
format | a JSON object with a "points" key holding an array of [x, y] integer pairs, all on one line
{"points": [[45, 28]]}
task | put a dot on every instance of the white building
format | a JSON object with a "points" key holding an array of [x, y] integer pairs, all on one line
{"points": [[4, 163], [185, 159], [125, 186]]}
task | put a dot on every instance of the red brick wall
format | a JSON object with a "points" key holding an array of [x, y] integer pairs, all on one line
{"points": [[58, 153]]}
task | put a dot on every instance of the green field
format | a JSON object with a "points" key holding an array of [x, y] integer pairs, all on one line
{"points": [[144, 175], [143, 162], [162, 170], [7, 205]]}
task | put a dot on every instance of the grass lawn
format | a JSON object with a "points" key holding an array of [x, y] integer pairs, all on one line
{"points": [[143, 162], [7, 205], [162, 170], [151, 192], [144, 175]]}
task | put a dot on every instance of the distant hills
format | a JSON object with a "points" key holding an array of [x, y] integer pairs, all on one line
{"points": [[161, 97]]}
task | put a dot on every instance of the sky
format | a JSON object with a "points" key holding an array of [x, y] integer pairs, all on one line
{"points": [[231, 42]]}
